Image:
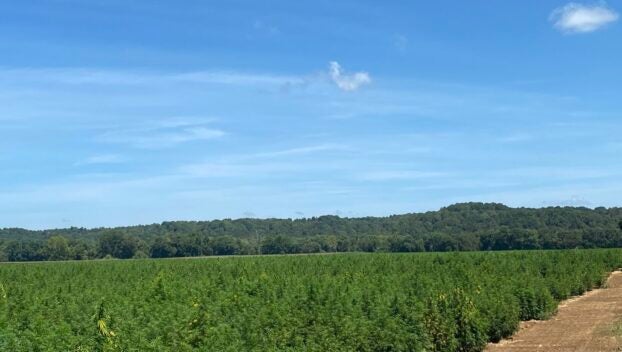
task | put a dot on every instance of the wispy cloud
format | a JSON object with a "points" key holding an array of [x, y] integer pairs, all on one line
{"points": [[400, 42], [557, 173], [162, 135], [305, 150], [76, 76], [239, 78], [572, 201], [347, 82], [238, 169], [515, 138], [395, 175], [103, 159], [580, 18], [179, 122], [274, 163], [263, 27], [87, 76]]}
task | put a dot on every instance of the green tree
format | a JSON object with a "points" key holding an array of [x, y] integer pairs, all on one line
{"points": [[162, 247], [117, 244], [57, 248], [225, 245], [277, 245]]}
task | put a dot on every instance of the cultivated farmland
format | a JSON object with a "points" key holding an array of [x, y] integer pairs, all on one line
{"points": [[347, 302]]}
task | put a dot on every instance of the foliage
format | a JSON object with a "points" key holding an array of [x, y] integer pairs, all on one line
{"points": [[460, 227], [117, 244], [350, 302]]}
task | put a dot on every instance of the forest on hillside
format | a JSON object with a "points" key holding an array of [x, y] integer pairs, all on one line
{"points": [[460, 227]]}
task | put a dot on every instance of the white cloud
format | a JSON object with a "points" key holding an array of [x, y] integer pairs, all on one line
{"points": [[345, 82], [579, 18]]}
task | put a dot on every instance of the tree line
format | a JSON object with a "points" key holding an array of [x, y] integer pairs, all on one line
{"points": [[460, 227]]}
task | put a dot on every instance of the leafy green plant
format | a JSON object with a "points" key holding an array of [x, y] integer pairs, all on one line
{"points": [[452, 302]]}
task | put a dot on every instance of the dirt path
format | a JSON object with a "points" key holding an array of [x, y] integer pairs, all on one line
{"points": [[584, 324]]}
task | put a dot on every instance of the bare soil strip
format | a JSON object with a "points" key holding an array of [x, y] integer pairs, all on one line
{"points": [[585, 323]]}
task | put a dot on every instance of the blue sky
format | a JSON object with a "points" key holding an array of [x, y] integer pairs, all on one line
{"points": [[126, 112]]}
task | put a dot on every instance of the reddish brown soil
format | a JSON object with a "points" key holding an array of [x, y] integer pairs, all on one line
{"points": [[586, 323]]}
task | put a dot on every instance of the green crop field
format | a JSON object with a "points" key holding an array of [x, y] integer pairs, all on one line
{"points": [[348, 302]]}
